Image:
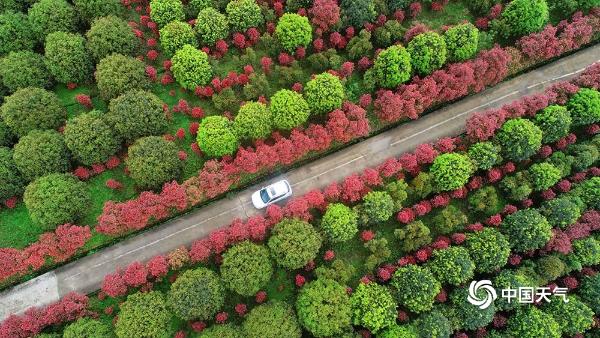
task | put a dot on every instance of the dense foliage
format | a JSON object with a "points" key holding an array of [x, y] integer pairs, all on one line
{"points": [[452, 266], [378, 206], [67, 57], [323, 308], [243, 14], [88, 327], [246, 268], [584, 107], [526, 230], [12, 182], [543, 176], [49, 16], [117, 74], [373, 307], [573, 317], [216, 136], [24, 69], [324, 93], [451, 171], [357, 12], [90, 139], [145, 315], [109, 35], [92, 9], [32, 108], [484, 155], [253, 121], [489, 249], [175, 35], [519, 138], [521, 17], [190, 67], [211, 26], [415, 288], [196, 294], [555, 123], [15, 32], [530, 322], [340, 223], [288, 109], [427, 52], [293, 31], [392, 67], [272, 320], [294, 243], [164, 11], [41, 152], [152, 161], [461, 42]]}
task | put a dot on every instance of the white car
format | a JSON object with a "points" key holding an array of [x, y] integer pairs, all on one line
{"points": [[272, 193]]}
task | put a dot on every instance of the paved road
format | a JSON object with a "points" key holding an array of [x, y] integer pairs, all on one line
{"points": [[86, 274]]}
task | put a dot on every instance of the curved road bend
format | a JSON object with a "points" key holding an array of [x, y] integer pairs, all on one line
{"points": [[85, 275]]}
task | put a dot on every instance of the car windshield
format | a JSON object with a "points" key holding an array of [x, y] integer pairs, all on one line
{"points": [[264, 196]]}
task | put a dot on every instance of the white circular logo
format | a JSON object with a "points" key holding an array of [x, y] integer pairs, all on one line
{"points": [[474, 294]]}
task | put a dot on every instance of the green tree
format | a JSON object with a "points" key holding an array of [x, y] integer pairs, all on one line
{"points": [[293, 31], [92, 9], [323, 308], [373, 307], [246, 268], [164, 11], [253, 121], [294, 243], [211, 26], [485, 201], [517, 187], [530, 322], [398, 191], [433, 324], [378, 206], [222, 331], [6, 135], [573, 317], [193, 7], [561, 212], [324, 93], [340, 223], [413, 236], [288, 109], [415, 288], [32, 108], [12, 182], [509, 279], [526, 229], [590, 292], [339, 271], [555, 123], [489, 249], [216, 136], [244, 14], [357, 12], [191, 68], [56, 199], [471, 317], [543, 175], [136, 114], [485, 155], [152, 161], [88, 328], [196, 294], [90, 139], [584, 107], [584, 155], [49, 16], [175, 35], [451, 171], [404, 331], [562, 161], [15, 32], [461, 41], [422, 185], [392, 67], [549, 268], [427, 52], [41, 152], [24, 69], [519, 139], [110, 35], [586, 251], [449, 220], [117, 74], [521, 17], [67, 57], [589, 192], [144, 315], [481, 7], [452, 265], [272, 320], [357, 47]]}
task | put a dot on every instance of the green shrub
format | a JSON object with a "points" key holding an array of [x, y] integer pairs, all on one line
{"points": [[12, 182], [378, 206], [193, 7], [246, 268], [413, 236], [294, 243], [484, 201], [573, 317], [373, 307], [555, 123], [243, 14], [32, 108], [471, 317], [485, 155], [222, 331], [24, 69], [56, 199], [110, 35], [481, 7], [211, 26], [191, 68], [49, 16], [433, 325], [449, 220], [258, 86], [89, 328], [379, 253], [562, 161], [427, 52], [584, 155], [395, 5], [324, 93], [15, 32], [589, 192], [323, 308], [586, 251], [543, 175], [152, 161], [357, 47], [461, 41], [452, 265], [226, 100], [90, 139], [144, 315], [530, 322], [509, 279], [253, 121], [164, 11], [517, 187], [117, 74], [519, 139], [590, 292], [395, 331], [357, 12], [521, 17], [526, 229], [340, 223], [288, 109], [398, 191], [392, 67], [6, 135], [489, 249], [549, 268], [415, 288], [293, 31], [92, 9], [451, 171], [561, 212], [388, 34], [272, 320], [40, 153], [11, 5], [67, 57], [175, 35], [339, 271], [136, 114], [196, 294], [216, 137]]}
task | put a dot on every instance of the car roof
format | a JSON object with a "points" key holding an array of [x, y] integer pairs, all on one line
{"points": [[280, 187]]}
